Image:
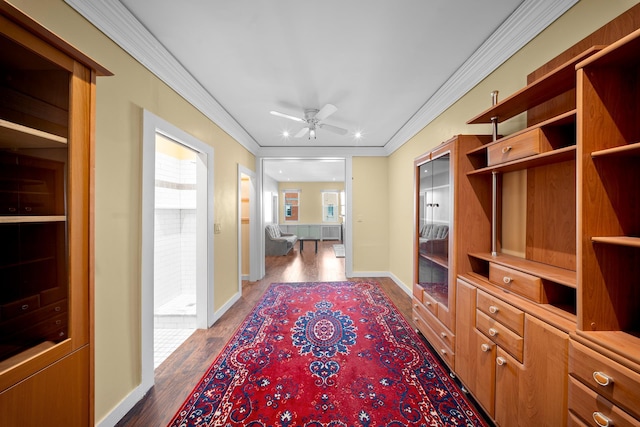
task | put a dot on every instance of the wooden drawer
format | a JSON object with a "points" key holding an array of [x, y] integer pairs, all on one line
{"points": [[434, 323], [505, 313], [443, 349], [517, 282], [623, 385], [511, 342], [574, 421], [430, 303], [20, 307], [588, 406], [417, 292], [522, 145]]}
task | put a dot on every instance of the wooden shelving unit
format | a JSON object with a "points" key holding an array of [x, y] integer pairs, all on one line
{"points": [[46, 136]]}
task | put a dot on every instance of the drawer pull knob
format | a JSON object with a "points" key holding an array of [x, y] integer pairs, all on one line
{"points": [[485, 347], [602, 379], [443, 334], [427, 303], [25, 307], [601, 419], [501, 361], [12, 210], [415, 305], [506, 149], [507, 279], [443, 351], [493, 309], [493, 332]]}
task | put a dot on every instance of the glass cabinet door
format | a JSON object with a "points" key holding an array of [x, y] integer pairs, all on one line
{"points": [[434, 201]]}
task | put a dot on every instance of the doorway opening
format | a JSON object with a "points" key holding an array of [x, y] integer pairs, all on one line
{"points": [[174, 290], [177, 240]]}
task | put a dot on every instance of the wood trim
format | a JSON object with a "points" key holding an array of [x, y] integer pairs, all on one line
{"points": [[44, 36]]}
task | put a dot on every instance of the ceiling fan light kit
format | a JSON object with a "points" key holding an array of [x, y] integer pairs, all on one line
{"points": [[313, 119]]}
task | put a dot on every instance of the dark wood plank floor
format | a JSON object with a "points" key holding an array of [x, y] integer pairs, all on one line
{"points": [[176, 377]]}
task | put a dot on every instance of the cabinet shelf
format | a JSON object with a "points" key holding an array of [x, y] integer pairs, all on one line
{"points": [[618, 240], [624, 150], [545, 88], [14, 135], [545, 271], [623, 52], [35, 218], [547, 158], [440, 259]]}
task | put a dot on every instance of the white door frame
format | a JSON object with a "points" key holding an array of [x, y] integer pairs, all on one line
{"points": [[348, 188], [152, 125]]}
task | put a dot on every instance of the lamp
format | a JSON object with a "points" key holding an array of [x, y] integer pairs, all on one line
{"points": [[312, 131]]}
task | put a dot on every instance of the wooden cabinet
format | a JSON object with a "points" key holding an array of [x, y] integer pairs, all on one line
{"points": [[46, 135], [605, 389], [513, 362], [441, 201]]}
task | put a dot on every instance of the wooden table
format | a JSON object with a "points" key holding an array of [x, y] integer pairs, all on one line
{"points": [[303, 239]]}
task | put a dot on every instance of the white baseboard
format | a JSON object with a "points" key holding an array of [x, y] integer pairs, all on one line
{"points": [[387, 274], [226, 306], [123, 407]]}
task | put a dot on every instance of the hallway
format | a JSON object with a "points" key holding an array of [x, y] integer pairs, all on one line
{"points": [[179, 374]]}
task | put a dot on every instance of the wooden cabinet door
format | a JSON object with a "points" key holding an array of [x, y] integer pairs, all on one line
{"points": [[543, 384], [508, 399], [475, 353], [466, 358]]}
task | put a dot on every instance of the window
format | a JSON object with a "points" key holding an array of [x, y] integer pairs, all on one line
{"points": [[291, 204], [331, 208]]}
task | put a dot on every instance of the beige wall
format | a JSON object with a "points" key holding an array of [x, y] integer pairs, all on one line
{"points": [[120, 103], [371, 207], [580, 21], [310, 211]]}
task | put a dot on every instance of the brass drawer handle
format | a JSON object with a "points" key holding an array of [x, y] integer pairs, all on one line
{"points": [[501, 361], [602, 379], [493, 309], [485, 347], [493, 332], [506, 149], [507, 279], [602, 420]]}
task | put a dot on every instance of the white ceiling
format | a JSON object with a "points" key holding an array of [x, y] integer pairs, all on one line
{"points": [[389, 67]]}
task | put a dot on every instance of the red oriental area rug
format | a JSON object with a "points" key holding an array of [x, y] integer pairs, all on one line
{"points": [[326, 354]]}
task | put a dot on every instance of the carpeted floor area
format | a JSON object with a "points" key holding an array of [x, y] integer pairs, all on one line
{"points": [[326, 353]]}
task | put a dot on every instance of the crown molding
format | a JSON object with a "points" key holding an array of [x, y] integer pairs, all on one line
{"points": [[117, 23], [528, 20]]}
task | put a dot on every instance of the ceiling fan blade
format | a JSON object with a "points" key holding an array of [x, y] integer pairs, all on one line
{"points": [[334, 129], [287, 116], [301, 133], [326, 111]]}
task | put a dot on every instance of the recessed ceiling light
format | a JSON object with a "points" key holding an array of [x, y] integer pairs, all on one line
{"points": [[285, 134], [357, 135]]}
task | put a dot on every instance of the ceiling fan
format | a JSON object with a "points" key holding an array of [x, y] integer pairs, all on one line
{"points": [[313, 120]]}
